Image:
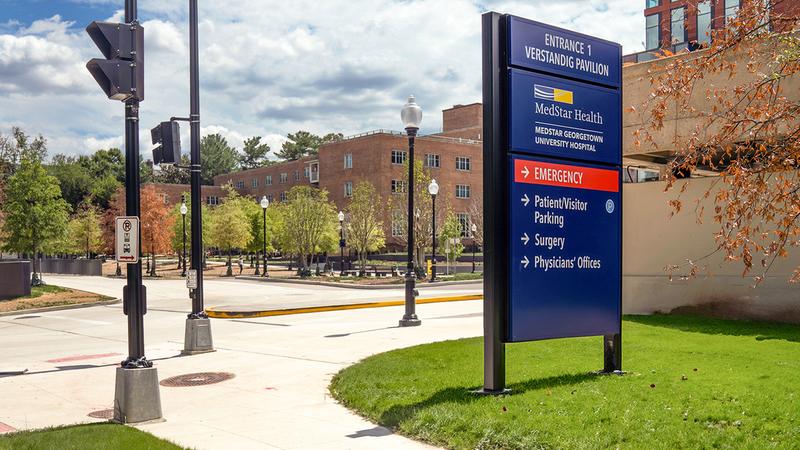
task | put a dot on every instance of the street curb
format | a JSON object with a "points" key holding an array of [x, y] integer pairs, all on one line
{"points": [[222, 314], [353, 286], [60, 308]]}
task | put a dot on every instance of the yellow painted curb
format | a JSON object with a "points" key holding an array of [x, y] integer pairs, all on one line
{"points": [[220, 314]]}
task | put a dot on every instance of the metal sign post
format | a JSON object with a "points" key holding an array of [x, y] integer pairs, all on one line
{"points": [[552, 189]]}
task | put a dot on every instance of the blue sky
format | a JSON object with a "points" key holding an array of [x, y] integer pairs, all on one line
{"points": [[268, 67]]}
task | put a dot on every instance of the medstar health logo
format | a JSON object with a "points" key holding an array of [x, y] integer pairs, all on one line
{"points": [[552, 94]]}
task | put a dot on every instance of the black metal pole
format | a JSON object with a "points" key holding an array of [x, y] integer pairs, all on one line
{"points": [[495, 212], [134, 291], [264, 245], [410, 317], [433, 260], [194, 117], [341, 247], [473, 253]]}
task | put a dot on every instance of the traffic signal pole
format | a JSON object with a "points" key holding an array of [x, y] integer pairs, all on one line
{"points": [[197, 338]]}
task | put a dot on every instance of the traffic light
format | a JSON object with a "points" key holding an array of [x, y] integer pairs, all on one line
{"points": [[167, 135], [121, 73]]}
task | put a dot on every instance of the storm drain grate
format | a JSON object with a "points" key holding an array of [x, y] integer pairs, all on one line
{"points": [[102, 414], [196, 379]]}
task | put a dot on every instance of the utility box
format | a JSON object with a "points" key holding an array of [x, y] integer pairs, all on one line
{"points": [[15, 279]]}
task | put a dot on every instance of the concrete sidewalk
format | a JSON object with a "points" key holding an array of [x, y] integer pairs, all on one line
{"points": [[282, 367]]}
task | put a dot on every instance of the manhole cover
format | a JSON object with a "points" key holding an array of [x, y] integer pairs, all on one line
{"points": [[196, 379], [102, 414]]}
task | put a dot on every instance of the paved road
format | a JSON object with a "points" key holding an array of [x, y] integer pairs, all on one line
{"points": [[283, 365]]}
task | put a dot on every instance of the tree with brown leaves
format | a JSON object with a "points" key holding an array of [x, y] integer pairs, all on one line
{"points": [[731, 111]]}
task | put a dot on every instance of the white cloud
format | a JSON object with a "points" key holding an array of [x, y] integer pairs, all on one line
{"points": [[270, 67]]}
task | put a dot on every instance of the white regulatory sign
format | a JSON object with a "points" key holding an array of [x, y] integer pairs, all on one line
{"points": [[127, 233], [191, 279]]}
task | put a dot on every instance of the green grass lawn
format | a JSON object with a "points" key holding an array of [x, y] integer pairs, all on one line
{"points": [[85, 437], [691, 383], [38, 291]]}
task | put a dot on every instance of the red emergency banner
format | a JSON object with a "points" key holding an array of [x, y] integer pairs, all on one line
{"points": [[563, 175]]}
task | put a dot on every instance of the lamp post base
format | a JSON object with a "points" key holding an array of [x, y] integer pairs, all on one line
{"points": [[197, 338], [410, 322], [136, 396]]}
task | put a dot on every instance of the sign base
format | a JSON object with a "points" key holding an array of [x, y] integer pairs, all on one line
{"points": [[488, 392], [137, 398], [197, 338]]}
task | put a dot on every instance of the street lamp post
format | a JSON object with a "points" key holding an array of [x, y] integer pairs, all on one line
{"points": [[264, 206], [411, 115], [433, 189], [341, 243], [184, 210], [474, 230]]}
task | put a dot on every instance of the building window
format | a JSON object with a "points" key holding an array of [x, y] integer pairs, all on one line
{"points": [[463, 163], [398, 186], [268, 180], [652, 3], [678, 25], [269, 197], [398, 157], [348, 161], [254, 183], [283, 196], [240, 184], [306, 172], [704, 21], [464, 223], [731, 9], [432, 161], [284, 177], [398, 224], [652, 34], [165, 198], [296, 175], [348, 189], [462, 191], [212, 200]]}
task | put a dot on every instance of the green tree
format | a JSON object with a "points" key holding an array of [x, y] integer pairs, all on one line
{"points": [[74, 179], [19, 146], [169, 174], [85, 234], [303, 143], [230, 227], [146, 173], [102, 190], [308, 224], [449, 241], [254, 154], [104, 163], [365, 230], [216, 157], [35, 213]]}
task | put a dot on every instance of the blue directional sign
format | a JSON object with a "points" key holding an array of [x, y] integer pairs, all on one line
{"points": [[541, 47], [552, 116], [565, 269]]}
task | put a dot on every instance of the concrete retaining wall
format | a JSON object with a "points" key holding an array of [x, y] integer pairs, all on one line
{"points": [[654, 240]]}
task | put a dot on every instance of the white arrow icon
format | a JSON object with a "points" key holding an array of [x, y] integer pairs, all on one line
{"points": [[525, 262], [525, 238], [525, 200], [525, 171]]}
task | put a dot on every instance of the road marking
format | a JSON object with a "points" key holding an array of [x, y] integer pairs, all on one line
{"points": [[221, 314]]}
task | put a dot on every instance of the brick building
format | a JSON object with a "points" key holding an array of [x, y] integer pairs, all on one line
{"points": [[171, 193], [673, 24], [452, 157]]}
